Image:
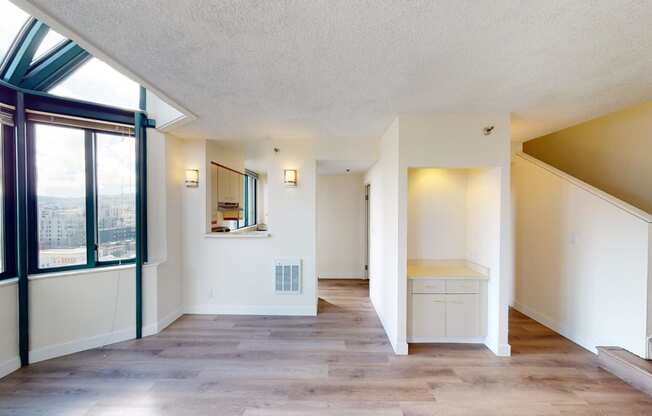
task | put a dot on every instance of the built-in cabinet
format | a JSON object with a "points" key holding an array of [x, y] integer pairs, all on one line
{"points": [[229, 186], [450, 214], [445, 310]]}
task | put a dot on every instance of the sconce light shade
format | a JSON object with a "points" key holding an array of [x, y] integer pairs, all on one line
{"points": [[290, 177], [192, 178]]}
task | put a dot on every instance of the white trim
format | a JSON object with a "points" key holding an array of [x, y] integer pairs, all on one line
{"points": [[504, 350], [83, 344], [156, 327], [9, 282], [585, 186], [352, 275], [271, 310], [550, 323], [446, 340], [169, 319], [76, 272], [9, 366], [401, 348]]}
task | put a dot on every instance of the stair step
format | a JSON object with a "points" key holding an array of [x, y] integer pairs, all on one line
{"points": [[627, 366]]}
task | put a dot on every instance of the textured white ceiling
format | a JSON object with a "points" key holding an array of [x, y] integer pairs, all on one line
{"points": [[341, 69], [339, 167]]}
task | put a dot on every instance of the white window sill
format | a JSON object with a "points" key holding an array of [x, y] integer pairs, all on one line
{"points": [[77, 272], [9, 282], [239, 234]]}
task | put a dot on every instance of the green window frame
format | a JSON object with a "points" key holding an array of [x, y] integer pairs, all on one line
{"points": [[91, 201]]}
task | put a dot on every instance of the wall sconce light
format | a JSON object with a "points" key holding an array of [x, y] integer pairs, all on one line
{"points": [[290, 177], [192, 178]]}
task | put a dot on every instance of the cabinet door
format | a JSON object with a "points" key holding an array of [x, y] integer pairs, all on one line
{"points": [[427, 317], [463, 315]]}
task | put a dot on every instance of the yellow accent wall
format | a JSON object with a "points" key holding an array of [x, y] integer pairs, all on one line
{"points": [[612, 153]]}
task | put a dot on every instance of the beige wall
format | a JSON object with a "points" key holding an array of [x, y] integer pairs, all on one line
{"points": [[340, 226], [611, 153], [582, 259], [9, 360]]}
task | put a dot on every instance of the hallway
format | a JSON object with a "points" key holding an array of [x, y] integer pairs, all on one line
{"points": [[339, 363]]}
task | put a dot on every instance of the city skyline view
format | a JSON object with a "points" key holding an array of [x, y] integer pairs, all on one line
{"points": [[62, 193]]}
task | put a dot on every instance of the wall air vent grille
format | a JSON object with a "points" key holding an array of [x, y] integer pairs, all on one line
{"points": [[287, 276]]}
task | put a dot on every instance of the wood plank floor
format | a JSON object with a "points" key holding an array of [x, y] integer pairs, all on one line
{"points": [[339, 363]]}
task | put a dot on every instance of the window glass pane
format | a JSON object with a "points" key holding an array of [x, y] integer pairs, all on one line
{"points": [[116, 197], [13, 20], [253, 182], [61, 196], [49, 41], [97, 82]]}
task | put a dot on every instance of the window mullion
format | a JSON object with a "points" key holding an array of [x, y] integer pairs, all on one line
{"points": [[91, 199]]}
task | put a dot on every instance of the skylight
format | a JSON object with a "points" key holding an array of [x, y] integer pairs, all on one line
{"points": [[50, 40], [97, 82], [13, 20]]}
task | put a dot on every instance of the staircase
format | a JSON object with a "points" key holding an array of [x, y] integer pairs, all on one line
{"points": [[627, 366]]}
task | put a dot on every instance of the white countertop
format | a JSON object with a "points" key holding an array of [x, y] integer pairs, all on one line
{"points": [[239, 234], [446, 269]]}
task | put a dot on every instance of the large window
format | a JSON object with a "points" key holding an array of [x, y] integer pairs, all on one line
{"points": [[60, 195], [7, 196], [84, 204], [250, 193]]}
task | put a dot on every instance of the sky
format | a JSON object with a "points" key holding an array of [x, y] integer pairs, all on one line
{"points": [[97, 82], [12, 20], [61, 168]]}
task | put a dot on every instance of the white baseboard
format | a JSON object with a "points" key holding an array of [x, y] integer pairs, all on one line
{"points": [[156, 327], [504, 350], [271, 310], [446, 340], [9, 366], [169, 319], [545, 320], [353, 275], [58, 350], [400, 348]]}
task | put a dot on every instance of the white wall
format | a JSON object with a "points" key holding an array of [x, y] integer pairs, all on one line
{"points": [[169, 290], [74, 311], [484, 242], [340, 226], [437, 213], [235, 276], [582, 259], [9, 358], [162, 276], [385, 289]]}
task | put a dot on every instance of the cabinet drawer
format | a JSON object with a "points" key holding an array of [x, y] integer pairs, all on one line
{"points": [[428, 286], [462, 286]]}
